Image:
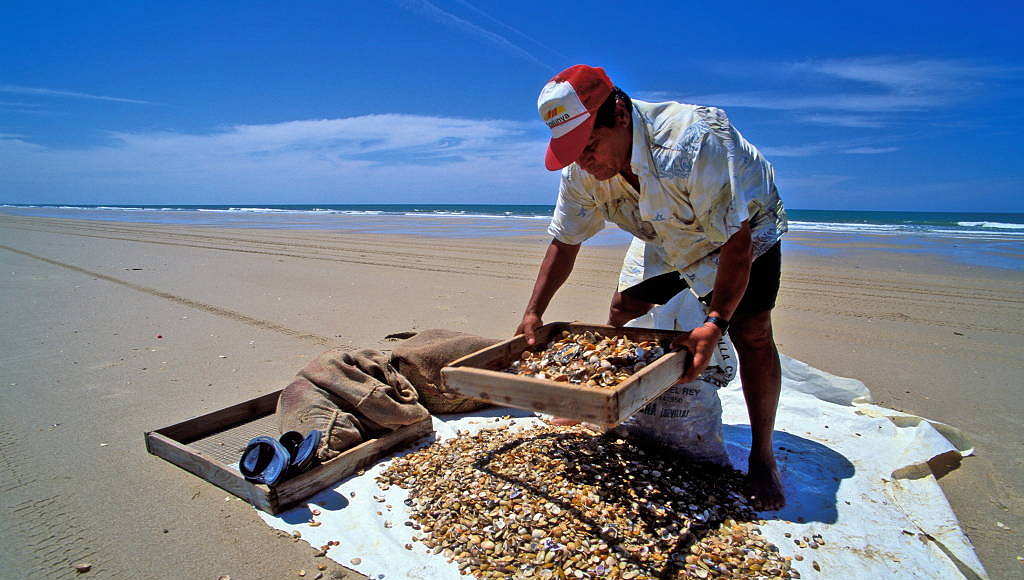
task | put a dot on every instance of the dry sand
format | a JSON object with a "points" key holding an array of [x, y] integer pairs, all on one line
{"points": [[84, 374]]}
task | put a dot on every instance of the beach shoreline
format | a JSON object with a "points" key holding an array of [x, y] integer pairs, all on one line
{"points": [[966, 238], [83, 365]]}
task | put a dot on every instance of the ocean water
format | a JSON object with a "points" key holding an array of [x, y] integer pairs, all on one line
{"points": [[995, 239]]}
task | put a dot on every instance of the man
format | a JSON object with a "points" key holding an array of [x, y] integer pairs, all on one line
{"points": [[702, 206]]}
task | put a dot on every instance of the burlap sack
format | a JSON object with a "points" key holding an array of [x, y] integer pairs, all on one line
{"points": [[349, 397], [421, 358]]}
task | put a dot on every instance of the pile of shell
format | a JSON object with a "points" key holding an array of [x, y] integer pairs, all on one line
{"points": [[588, 358], [565, 502]]}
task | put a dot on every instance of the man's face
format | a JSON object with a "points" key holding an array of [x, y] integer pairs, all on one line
{"points": [[608, 151]]}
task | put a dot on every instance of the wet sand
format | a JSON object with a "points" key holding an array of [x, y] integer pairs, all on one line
{"points": [[240, 310]]}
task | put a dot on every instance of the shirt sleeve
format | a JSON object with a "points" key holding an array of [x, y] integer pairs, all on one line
{"points": [[717, 206], [576, 218]]}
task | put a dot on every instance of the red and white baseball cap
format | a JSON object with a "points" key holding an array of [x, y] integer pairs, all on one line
{"points": [[568, 104]]}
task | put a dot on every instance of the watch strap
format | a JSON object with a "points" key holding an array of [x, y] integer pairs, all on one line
{"points": [[718, 321]]}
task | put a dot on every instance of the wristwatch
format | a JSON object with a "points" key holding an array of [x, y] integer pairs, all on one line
{"points": [[721, 323]]}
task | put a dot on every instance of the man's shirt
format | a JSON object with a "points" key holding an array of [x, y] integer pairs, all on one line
{"points": [[699, 180]]}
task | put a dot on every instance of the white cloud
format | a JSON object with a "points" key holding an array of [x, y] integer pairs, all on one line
{"points": [[804, 150], [403, 158], [443, 17], [854, 93], [512, 29], [902, 75], [29, 110], [19, 104], [880, 85], [824, 148], [18, 90], [825, 102], [844, 120], [870, 150]]}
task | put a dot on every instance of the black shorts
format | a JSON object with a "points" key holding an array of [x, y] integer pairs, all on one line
{"points": [[762, 288]]}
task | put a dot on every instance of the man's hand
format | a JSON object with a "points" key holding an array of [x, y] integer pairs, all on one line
{"points": [[557, 264], [701, 342], [531, 322]]}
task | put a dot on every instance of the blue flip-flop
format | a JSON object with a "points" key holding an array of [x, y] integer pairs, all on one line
{"points": [[302, 449], [265, 460]]}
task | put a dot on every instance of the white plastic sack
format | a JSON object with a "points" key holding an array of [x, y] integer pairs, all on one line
{"points": [[687, 417]]}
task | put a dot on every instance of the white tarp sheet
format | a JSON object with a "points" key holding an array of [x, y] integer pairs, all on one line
{"points": [[853, 472], [856, 473]]}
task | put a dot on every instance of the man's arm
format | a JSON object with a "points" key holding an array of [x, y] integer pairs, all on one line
{"points": [[554, 270], [734, 260]]}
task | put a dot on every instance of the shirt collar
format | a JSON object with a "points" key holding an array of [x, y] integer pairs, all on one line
{"points": [[639, 161]]}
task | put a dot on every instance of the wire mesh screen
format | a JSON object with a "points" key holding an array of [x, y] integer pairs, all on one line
{"points": [[227, 446]]}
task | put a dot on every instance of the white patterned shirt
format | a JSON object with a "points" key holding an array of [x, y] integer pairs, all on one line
{"points": [[699, 180]]}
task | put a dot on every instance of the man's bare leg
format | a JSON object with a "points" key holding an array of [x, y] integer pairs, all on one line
{"points": [[761, 374], [622, 310]]}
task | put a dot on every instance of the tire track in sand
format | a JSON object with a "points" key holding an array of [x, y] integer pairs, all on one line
{"points": [[195, 304], [44, 536], [414, 256], [11, 459], [56, 540], [360, 256]]}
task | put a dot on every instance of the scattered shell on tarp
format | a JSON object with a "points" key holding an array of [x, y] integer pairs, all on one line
{"points": [[588, 359], [557, 502]]}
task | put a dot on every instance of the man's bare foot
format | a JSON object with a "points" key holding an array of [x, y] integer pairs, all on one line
{"points": [[563, 422], [764, 485]]}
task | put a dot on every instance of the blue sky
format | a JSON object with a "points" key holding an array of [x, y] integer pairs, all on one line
{"points": [[903, 106]]}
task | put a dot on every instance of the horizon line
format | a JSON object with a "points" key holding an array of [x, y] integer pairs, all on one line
{"points": [[271, 205]]}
